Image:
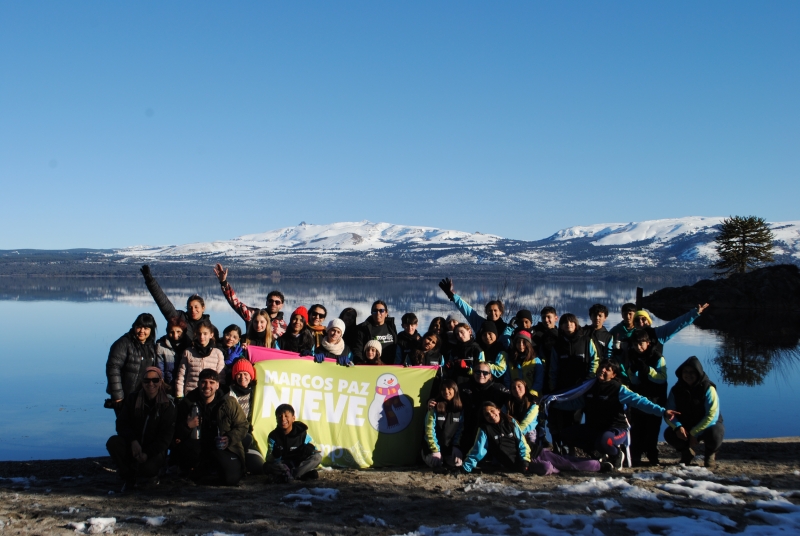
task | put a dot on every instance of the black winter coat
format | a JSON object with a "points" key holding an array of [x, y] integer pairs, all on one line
{"points": [[153, 427], [127, 361], [169, 311], [303, 342]]}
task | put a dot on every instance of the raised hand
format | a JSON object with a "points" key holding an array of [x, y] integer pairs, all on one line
{"points": [[701, 308], [221, 273], [446, 285]]}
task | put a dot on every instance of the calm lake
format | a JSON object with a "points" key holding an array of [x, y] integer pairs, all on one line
{"points": [[58, 332]]}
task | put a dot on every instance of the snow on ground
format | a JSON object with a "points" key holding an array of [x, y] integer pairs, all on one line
{"points": [[775, 515]]}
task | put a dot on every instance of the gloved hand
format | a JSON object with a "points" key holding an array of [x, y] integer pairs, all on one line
{"points": [[306, 353], [319, 358], [436, 459], [343, 361], [446, 285], [145, 270]]}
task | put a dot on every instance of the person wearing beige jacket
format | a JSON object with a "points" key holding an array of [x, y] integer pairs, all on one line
{"points": [[202, 354]]}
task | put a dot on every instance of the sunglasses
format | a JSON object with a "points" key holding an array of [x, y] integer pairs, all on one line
{"points": [[276, 302], [381, 311], [151, 380], [317, 315], [483, 372]]}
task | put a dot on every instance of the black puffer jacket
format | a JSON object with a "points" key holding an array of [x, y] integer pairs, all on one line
{"points": [[153, 426], [127, 361]]}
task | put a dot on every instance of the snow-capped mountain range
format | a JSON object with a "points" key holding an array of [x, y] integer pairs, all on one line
{"points": [[679, 243]]}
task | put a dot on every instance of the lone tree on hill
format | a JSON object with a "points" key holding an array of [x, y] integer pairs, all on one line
{"points": [[743, 243]]}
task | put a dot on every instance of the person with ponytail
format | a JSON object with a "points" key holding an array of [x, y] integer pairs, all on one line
{"points": [[202, 354], [444, 425]]}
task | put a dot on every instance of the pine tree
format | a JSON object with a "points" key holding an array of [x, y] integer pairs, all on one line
{"points": [[743, 243]]}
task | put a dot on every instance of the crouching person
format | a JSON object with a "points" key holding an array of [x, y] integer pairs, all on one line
{"points": [[695, 398], [209, 430], [444, 424], [144, 431], [603, 400], [501, 439], [290, 451]]}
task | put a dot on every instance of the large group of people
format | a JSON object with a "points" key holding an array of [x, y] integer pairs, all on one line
{"points": [[183, 401]]}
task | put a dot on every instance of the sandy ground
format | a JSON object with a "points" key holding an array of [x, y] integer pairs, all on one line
{"points": [[65, 491]]}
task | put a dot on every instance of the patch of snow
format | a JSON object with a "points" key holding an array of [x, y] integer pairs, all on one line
{"points": [[372, 521], [77, 527], [218, 533], [545, 523], [482, 486], [635, 492], [607, 504], [70, 510], [672, 526], [701, 494], [489, 523], [594, 486], [648, 476], [154, 521], [779, 523], [100, 525], [319, 494]]}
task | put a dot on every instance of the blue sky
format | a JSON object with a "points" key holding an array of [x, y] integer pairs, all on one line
{"points": [[127, 123]]}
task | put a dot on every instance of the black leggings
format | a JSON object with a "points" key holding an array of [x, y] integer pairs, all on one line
{"points": [[711, 436], [129, 468], [645, 429]]}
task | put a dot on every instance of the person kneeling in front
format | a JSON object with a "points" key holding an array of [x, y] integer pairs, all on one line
{"points": [[208, 434], [290, 451], [501, 439], [145, 424], [695, 397]]}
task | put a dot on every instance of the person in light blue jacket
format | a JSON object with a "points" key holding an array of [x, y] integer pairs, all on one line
{"points": [[494, 311]]}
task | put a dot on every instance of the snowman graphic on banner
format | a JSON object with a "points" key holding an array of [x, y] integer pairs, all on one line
{"points": [[391, 411]]}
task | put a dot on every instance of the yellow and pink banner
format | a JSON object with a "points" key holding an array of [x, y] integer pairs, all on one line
{"points": [[362, 416]]}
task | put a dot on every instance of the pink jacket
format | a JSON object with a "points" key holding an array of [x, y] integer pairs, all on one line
{"points": [[191, 366]]}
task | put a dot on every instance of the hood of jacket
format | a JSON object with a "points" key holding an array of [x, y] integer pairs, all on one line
{"points": [[702, 378]]}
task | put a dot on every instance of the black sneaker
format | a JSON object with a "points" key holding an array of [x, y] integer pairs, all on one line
{"points": [[606, 466], [311, 475], [687, 455]]}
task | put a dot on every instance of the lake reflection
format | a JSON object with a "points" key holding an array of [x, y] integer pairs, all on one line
{"points": [[57, 333]]}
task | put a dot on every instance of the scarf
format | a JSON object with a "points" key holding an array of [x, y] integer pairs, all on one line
{"points": [[232, 354], [202, 351], [333, 349], [390, 403]]}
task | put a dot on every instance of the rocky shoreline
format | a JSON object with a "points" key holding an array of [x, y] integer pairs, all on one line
{"points": [[55, 496]]}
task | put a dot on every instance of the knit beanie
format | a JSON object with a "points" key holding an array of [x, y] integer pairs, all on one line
{"points": [[524, 335], [451, 317], [337, 323], [243, 365], [302, 311], [489, 327], [373, 344], [643, 313], [156, 370], [523, 314]]}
